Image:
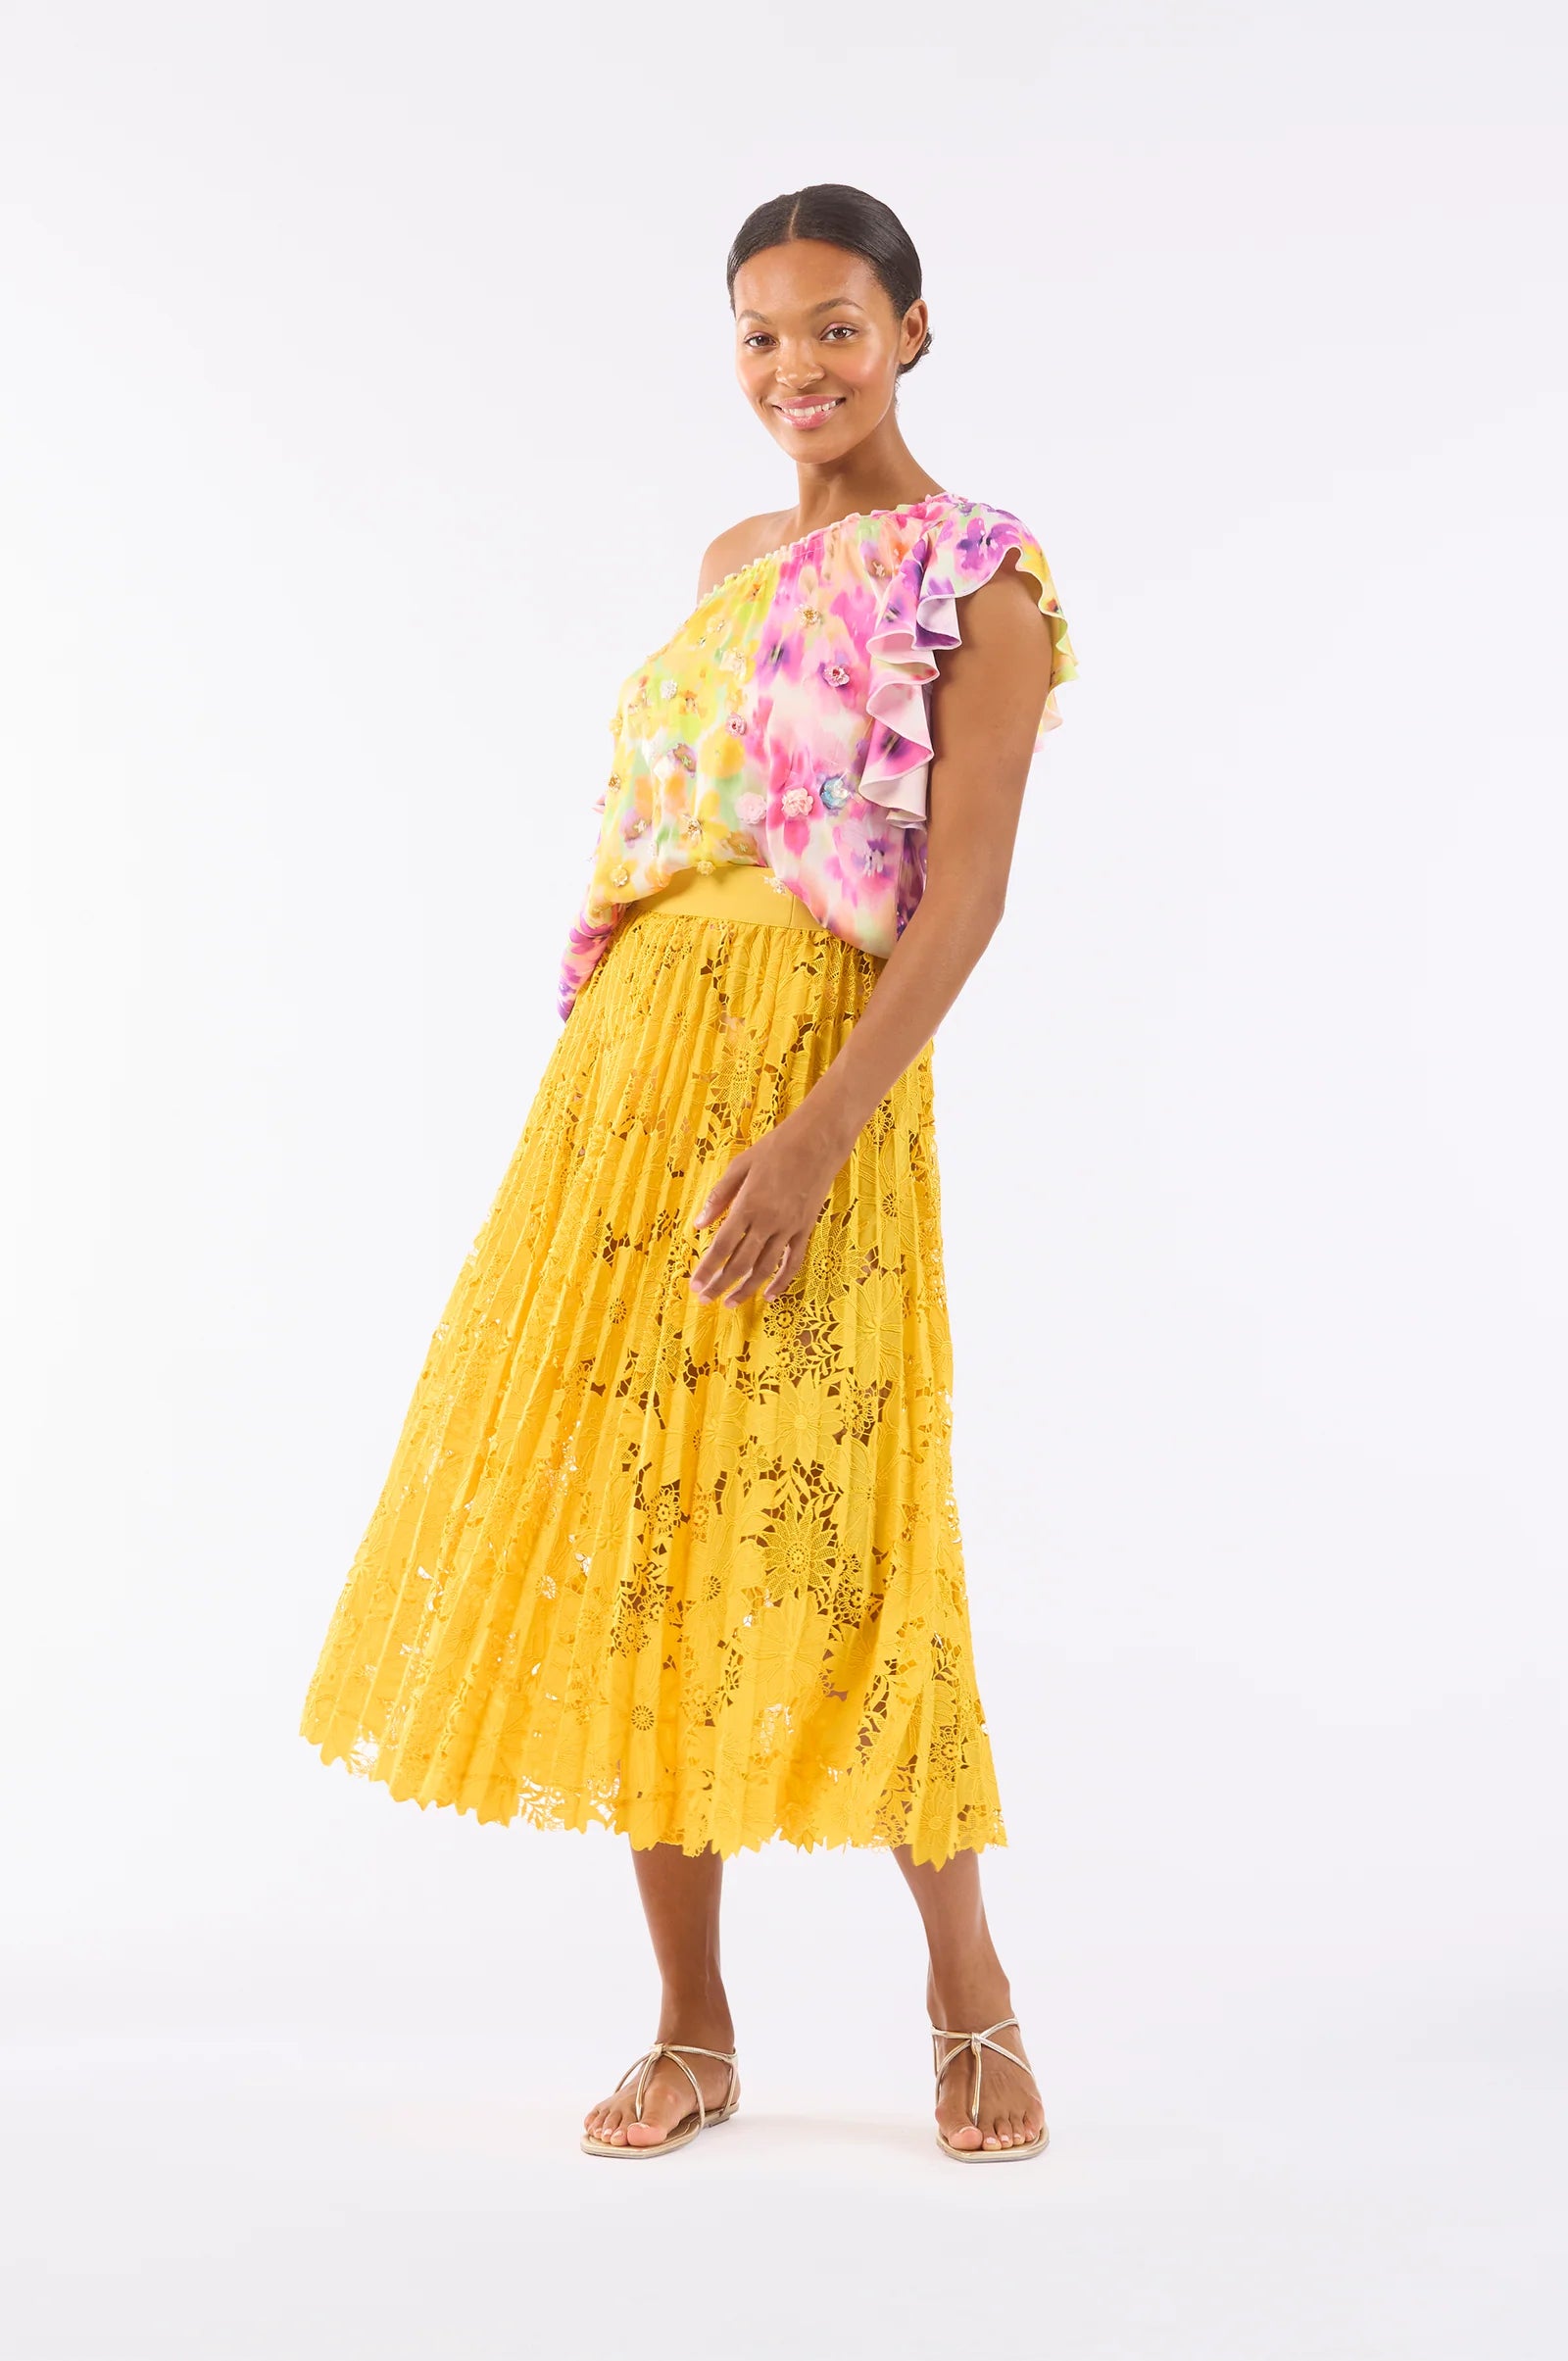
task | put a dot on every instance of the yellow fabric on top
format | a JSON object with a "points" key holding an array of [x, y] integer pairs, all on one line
{"points": [[688, 1570], [735, 891]]}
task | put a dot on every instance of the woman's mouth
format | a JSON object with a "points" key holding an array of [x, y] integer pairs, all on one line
{"points": [[808, 414]]}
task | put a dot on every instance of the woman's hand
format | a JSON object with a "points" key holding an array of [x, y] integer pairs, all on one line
{"points": [[984, 713], [769, 1196]]}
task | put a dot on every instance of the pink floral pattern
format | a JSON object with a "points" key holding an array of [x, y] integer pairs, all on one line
{"points": [[787, 722]]}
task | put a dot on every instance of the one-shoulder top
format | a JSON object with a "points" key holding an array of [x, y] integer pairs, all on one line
{"points": [[787, 722]]}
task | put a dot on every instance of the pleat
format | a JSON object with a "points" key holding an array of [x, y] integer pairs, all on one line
{"points": [[687, 1570]]}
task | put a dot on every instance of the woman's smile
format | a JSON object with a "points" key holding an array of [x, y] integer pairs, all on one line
{"points": [[805, 415]]}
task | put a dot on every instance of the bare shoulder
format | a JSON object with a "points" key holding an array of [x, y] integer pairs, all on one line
{"points": [[752, 538]]}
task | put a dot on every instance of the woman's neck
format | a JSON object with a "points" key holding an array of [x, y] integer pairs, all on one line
{"points": [[880, 472]]}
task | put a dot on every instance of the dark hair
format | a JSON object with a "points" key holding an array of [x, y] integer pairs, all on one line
{"points": [[841, 217]]}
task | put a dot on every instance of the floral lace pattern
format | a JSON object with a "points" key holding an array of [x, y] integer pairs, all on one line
{"points": [[786, 723], [688, 1570]]}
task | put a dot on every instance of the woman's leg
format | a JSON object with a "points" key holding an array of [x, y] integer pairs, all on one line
{"points": [[680, 1896], [966, 1991]]}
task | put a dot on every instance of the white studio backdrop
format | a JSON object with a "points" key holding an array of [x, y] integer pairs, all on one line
{"points": [[367, 404]]}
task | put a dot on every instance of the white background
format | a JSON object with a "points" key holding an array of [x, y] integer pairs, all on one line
{"points": [[366, 405]]}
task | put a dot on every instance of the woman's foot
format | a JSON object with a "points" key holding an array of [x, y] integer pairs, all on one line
{"points": [[668, 2096], [1011, 2114]]}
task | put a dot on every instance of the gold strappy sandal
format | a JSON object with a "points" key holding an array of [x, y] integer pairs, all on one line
{"points": [[975, 2043], [690, 2124]]}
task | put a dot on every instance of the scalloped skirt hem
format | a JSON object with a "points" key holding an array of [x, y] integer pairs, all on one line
{"points": [[645, 1823]]}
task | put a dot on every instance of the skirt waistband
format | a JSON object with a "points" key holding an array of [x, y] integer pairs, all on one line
{"points": [[733, 889]]}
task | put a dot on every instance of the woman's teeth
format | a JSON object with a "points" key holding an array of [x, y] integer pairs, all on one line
{"points": [[806, 413]]}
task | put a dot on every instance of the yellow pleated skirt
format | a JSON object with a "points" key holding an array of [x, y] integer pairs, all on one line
{"points": [[688, 1570]]}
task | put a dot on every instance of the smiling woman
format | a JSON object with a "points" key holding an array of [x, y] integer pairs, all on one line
{"points": [[669, 1540]]}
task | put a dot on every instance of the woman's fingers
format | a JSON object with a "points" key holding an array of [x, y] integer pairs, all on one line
{"points": [[722, 1189], [739, 1258], [739, 1285], [786, 1271], [724, 1243], [767, 1202]]}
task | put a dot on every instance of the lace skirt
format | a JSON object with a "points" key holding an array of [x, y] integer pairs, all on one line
{"points": [[688, 1570]]}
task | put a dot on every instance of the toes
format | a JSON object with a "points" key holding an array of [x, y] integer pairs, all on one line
{"points": [[645, 2134], [964, 2135]]}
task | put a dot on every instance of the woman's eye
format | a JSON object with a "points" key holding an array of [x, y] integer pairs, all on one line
{"points": [[759, 337]]}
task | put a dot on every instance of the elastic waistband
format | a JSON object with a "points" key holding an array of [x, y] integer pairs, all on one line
{"points": [[733, 889]]}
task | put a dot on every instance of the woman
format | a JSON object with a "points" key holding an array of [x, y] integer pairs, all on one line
{"points": [[669, 1540]]}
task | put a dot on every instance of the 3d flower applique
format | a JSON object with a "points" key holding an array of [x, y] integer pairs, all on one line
{"points": [[773, 678], [620, 874]]}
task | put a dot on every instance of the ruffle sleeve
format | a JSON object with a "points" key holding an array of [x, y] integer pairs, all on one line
{"points": [[918, 621]]}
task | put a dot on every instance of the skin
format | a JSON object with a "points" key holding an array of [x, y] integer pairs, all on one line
{"points": [[813, 322]]}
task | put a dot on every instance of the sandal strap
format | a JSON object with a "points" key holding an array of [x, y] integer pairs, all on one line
{"points": [[678, 2052], [976, 2043]]}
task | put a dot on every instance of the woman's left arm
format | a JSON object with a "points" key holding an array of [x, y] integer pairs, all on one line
{"points": [[985, 711]]}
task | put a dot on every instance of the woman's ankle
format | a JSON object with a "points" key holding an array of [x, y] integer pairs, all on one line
{"points": [[968, 1992], [699, 2013]]}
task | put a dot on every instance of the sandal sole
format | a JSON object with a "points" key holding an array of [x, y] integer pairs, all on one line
{"points": [[684, 2133], [1021, 2155]]}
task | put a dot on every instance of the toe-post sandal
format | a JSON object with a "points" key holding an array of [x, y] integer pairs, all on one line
{"points": [[975, 2044], [697, 2118]]}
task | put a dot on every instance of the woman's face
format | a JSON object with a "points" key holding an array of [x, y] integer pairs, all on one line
{"points": [[818, 346]]}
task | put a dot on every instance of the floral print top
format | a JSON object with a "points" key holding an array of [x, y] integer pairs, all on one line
{"points": [[787, 722]]}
